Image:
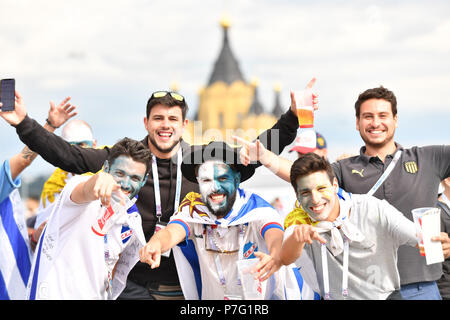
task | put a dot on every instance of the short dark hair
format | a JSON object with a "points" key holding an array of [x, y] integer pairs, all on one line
{"points": [[167, 101], [377, 93], [309, 163], [136, 150]]}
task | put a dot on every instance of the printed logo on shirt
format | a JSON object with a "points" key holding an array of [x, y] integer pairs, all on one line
{"points": [[125, 234], [249, 249], [358, 172], [411, 166]]}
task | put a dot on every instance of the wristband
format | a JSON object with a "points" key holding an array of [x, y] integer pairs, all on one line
{"points": [[48, 122]]}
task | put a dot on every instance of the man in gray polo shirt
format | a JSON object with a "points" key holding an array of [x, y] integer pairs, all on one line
{"points": [[413, 182]]}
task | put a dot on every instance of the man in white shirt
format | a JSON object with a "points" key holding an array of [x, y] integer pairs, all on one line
{"points": [[220, 227], [356, 237], [93, 234]]}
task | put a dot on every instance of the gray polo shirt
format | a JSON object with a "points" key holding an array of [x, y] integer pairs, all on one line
{"points": [[413, 183]]}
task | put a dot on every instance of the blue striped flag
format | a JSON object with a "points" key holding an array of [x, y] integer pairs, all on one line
{"points": [[15, 253]]}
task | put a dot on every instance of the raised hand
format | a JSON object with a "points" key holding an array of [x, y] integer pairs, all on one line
{"points": [[251, 151], [15, 116], [59, 114], [315, 96]]}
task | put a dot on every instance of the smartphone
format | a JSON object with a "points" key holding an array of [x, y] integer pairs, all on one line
{"points": [[7, 96]]}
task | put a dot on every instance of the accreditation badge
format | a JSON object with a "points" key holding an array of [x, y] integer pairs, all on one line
{"points": [[159, 226]]}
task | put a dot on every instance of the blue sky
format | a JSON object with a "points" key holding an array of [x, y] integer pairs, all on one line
{"points": [[110, 55]]}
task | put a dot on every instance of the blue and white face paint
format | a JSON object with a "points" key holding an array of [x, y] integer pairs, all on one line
{"points": [[129, 174], [218, 184]]}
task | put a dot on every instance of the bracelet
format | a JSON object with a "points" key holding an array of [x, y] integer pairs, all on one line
{"points": [[48, 122]]}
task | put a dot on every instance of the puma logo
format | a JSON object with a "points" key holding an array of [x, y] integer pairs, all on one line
{"points": [[358, 172]]}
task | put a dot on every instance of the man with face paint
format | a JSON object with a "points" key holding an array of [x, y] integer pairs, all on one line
{"points": [[93, 234], [220, 226], [351, 239]]}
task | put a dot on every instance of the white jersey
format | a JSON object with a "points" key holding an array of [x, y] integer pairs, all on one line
{"points": [[250, 217], [72, 262]]}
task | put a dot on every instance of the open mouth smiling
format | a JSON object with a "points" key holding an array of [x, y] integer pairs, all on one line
{"points": [[217, 197], [317, 208], [165, 134]]}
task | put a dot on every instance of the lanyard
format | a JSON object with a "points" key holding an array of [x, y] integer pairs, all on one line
{"points": [[445, 199], [156, 185], [386, 173], [326, 280], [345, 249]]}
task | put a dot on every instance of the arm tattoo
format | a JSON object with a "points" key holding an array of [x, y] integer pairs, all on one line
{"points": [[27, 154]]}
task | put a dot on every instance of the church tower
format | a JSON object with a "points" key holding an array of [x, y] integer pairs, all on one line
{"points": [[228, 105]]}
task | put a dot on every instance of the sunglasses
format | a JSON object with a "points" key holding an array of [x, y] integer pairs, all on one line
{"points": [[160, 94]]}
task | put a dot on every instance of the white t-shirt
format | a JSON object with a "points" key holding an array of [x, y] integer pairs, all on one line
{"points": [[72, 261]]}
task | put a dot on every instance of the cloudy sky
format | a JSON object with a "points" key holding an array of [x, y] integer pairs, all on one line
{"points": [[110, 55]]}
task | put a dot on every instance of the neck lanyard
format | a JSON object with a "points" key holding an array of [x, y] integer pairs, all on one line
{"points": [[326, 280], [445, 199], [156, 184], [386, 173]]}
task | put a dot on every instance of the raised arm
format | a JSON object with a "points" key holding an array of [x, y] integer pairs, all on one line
{"points": [[51, 147], [255, 151], [57, 114], [284, 131]]}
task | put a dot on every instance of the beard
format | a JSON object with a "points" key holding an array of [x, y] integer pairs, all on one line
{"points": [[221, 211], [163, 150]]}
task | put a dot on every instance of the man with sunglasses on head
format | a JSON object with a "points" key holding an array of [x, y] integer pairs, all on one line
{"points": [[159, 198]]}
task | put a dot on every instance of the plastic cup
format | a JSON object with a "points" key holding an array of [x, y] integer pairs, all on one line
{"points": [[418, 214], [251, 287], [305, 110]]}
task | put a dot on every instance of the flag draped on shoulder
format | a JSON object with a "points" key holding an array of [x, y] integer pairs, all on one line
{"points": [[15, 252], [290, 282]]}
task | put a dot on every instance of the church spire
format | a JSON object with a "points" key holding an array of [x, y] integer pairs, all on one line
{"points": [[256, 108], [277, 109], [226, 67]]}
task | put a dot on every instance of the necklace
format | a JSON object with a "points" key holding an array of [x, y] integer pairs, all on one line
{"points": [[219, 248]]}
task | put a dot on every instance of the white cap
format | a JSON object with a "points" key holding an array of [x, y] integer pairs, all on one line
{"points": [[77, 131]]}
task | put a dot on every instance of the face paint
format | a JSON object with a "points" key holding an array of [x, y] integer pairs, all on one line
{"points": [[129, 174], [317, 195], [218, 184]]}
